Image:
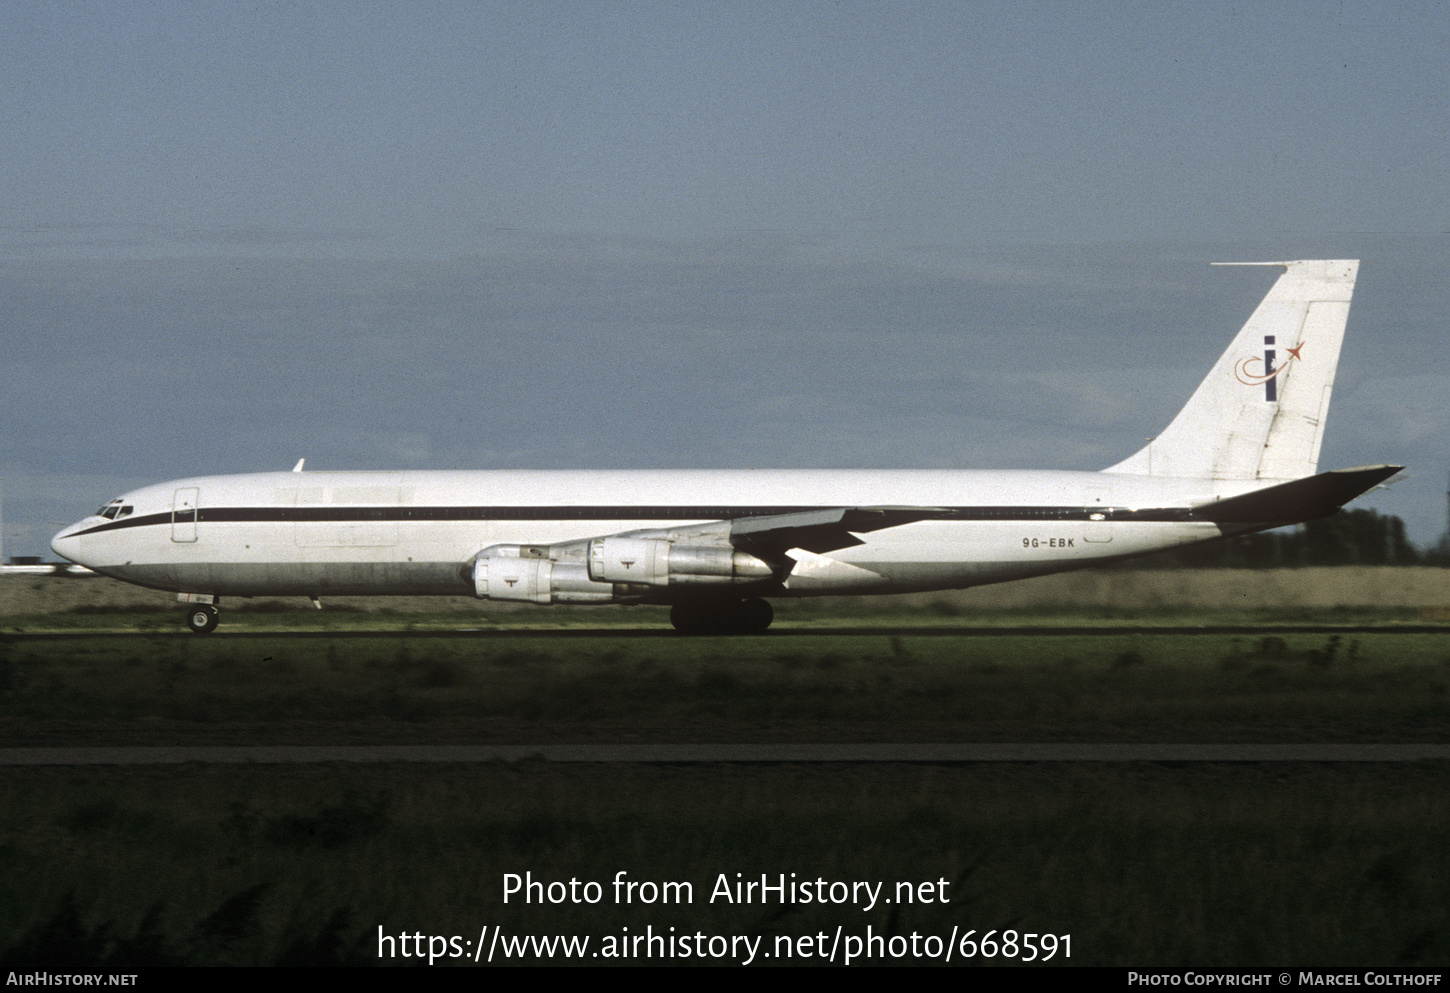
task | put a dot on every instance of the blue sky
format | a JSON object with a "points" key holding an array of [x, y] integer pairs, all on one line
{"points": [[535, 234]]}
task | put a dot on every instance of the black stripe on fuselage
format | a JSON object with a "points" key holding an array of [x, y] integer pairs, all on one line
{"points": [[606, 514]]}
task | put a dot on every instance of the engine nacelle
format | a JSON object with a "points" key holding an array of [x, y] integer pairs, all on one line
{"points": [[659, 562], [525, 572]]}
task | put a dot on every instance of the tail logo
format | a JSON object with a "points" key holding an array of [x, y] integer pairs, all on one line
{"points": [[1267, 373]]}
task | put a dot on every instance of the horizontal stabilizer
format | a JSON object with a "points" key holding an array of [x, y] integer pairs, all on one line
{"points": [[1302, 500], [822, 531]]}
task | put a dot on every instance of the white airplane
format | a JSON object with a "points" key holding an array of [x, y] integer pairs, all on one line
{"points": [[714, 544]]}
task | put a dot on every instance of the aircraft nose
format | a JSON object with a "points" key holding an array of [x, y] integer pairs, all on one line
{"points": [[67, 543]]}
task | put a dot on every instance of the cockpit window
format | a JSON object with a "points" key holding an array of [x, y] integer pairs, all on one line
{"points": [[113, 509]]}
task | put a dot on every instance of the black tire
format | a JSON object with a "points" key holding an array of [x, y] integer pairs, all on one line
{"points": [[691, 618], [753, 616], [722, 617], [202, 620]]}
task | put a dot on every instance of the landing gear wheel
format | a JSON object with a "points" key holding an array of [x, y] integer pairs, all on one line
{"points": [[752, 616], [691, 618], [722, 617], [202, 620]]}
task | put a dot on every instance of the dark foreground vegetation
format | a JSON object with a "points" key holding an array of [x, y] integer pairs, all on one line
{"points": [[269, 689], [1141, 863]]}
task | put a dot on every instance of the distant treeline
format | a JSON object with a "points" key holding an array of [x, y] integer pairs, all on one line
{"points": [[1350, 537]]}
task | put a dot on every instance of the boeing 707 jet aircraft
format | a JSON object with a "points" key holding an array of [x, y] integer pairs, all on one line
{"points": [[713, 545]]}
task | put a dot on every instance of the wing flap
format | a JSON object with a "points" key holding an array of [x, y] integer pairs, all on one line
{"points": [[822, 531]]}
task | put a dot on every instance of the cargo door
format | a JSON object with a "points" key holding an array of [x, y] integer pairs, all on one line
{"points": [[347, 516]]}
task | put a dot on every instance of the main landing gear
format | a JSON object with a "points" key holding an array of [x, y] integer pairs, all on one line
{"points": [[722, 616], [202, 618]]}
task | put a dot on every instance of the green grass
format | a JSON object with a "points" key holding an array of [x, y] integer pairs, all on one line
{"points": [[1293, 687]]}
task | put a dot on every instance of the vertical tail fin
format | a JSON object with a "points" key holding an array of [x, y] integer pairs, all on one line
{"points": [[1260, 413]]}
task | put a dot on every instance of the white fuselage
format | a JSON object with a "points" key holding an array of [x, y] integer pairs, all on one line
{"points": [[715, 543], [319, 533]]}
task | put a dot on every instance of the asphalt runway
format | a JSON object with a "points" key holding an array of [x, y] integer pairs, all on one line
{"points": [[681, 754], [931, 631]]}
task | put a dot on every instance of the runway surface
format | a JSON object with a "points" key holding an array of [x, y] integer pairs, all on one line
{"points": [[706, 753], [930, 631]]}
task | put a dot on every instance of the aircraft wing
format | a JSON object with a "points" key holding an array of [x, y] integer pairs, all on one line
{"points": [[1304, 499], [822, 531]]}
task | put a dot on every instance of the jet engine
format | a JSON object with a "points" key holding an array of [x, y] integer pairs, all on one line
{"points": [[526, 572], [607, 570], [659, 562]]}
